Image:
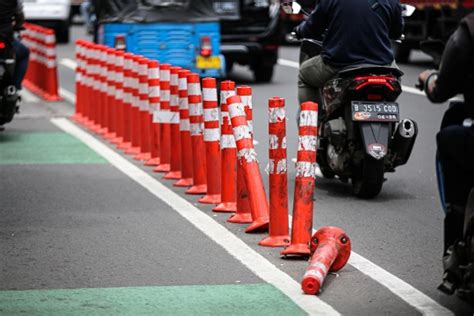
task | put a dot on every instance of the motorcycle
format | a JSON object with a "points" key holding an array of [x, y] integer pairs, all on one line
{"points": [[361, 135], [8, 92], [458, 260]]}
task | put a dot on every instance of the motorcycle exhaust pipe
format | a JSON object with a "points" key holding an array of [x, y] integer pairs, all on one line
{"points": [[403, 141]]}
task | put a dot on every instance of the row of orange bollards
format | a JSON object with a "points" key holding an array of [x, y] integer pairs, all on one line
{"points": [[161, 115], [41, 77]]}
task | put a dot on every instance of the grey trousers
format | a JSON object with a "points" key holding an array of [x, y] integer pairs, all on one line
{"points": [[312, 76]]}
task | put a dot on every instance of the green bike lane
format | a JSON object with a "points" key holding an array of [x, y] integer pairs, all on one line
{"points": [[79, 237]]}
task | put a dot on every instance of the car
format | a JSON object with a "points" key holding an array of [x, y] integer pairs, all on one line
{"points": [[50, 13], [250, 35]]}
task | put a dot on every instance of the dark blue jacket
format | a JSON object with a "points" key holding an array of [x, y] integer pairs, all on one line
{"points": [[358, 31]]}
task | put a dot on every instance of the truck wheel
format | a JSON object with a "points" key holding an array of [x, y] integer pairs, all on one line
{"points": [[263, 73], [367, 179], [62, 32]]}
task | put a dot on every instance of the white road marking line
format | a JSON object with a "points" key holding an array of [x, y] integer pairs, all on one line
{"points": [[294, 64], [68, 96], [29, 97], [264, 269], [68, 63], [405, 291]]}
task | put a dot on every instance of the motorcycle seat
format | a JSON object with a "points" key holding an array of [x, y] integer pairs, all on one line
{"points": [[366, 69]]}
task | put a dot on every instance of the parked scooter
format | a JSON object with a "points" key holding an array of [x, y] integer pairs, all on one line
{"points": [[8, 93], [458, 261], [361, 135]]}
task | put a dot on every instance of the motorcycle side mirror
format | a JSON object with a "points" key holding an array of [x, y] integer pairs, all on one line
{"points": [[408, 10], [291, 7]]}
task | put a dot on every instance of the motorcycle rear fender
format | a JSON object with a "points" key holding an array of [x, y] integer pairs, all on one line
{"points": [[375, 138]]}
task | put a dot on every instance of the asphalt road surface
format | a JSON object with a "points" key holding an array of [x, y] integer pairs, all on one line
{"points": [[84, 229]]}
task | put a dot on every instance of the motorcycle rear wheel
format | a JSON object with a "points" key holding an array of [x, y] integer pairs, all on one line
{"points": [[367, 179]]}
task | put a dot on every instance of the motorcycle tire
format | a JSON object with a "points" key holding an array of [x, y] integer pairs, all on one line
{"points": [[367, 179], [323, 165]]}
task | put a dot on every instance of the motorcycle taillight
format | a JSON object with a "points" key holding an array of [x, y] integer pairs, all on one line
{"points": [[206, 46], [363, 81], [2, 45]]}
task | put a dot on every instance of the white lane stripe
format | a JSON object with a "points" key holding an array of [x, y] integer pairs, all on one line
{"points": [[68, 96], [68, 63], [264, 269], [405, 291], [29, 96], [294, 64]]}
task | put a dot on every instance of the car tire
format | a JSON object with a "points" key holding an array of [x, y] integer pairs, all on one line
{"points": [[62, 32], [263, 73]]}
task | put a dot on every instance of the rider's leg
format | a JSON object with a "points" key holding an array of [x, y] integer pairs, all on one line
{"points": [[21, 65], [456, 154], [311, 78]]}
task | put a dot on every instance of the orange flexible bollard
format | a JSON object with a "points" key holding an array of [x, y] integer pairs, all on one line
{"points": [[228, 154], [331, 249], [278, 178], [103, 87], [79, 112], [156, 125], [212, 142], [165, 155], [248, 158], [143, 111], [135, 124], [119, 97], [95, 101], [243, 214], [196, 121], [110, 94], [175, 134], [128, 99], [304, 183], [184, 127]]}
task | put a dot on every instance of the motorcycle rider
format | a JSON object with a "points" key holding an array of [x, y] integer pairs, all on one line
{"points": [[455, 140], [11, 19], [354, 32]]}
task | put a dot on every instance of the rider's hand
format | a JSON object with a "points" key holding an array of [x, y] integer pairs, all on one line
{"points": [[297, 32], [424, 76]]}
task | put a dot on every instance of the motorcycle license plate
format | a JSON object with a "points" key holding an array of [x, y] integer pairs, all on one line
{"points": [[213, 62], [367, 111]]}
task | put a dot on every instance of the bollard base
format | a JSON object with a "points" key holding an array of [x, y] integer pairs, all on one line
{"points": [[152, 162], [301, 250], [173, 175], [116, 141], [124, 146], [226, 207], [132, 151], [275, 241], [186, 182], [210, 199], [164, 167], [258, 225], [197, 189], [142, 156], [240, 218]]}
